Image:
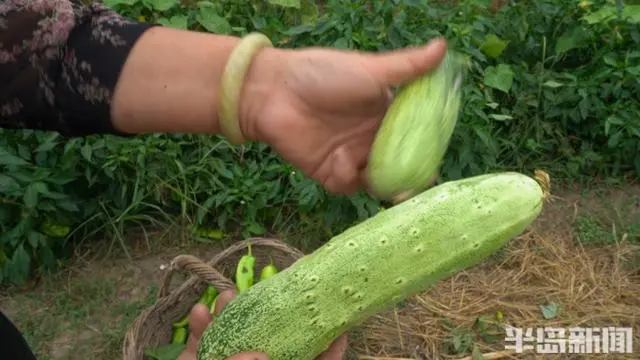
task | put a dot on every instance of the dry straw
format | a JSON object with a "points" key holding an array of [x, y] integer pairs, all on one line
{"points": [[594, 287]]}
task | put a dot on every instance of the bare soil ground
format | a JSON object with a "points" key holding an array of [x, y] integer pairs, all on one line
{"points": [[577, 266]]}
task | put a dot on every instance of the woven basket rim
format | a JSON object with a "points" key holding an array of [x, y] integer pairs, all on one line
{"points": [[201, 271]]}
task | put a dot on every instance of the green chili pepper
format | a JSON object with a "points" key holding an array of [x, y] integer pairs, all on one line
{"points": [[182, 323], [212, 309], [179, 336], [205, 299], [210, 294], [268, 271], [244, 272]]}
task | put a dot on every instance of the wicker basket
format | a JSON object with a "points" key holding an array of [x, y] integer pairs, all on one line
{"points": [[152, 328]]}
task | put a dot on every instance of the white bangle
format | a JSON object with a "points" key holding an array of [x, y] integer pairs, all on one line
{"points": [[232, 82]]}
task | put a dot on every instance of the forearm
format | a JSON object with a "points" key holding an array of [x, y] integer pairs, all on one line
{"points": [[92, 71], [59, 63], [170, 82]]}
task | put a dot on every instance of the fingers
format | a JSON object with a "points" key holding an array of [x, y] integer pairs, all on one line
{"points": [[400, 66], [223, 299], [337, 349], [199, 318]]}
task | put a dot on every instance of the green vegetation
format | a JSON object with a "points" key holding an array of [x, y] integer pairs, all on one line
{"points": [[552, 84], [66, 322]]}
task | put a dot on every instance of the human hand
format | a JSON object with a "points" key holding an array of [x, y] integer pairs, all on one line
{"points": [[200, 318], [324, 106]]}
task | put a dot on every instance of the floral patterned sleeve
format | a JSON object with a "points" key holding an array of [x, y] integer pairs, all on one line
{"points": [[59, 64]]}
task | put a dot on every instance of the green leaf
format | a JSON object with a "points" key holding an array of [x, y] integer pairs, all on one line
{"points": [[610, 60], [176, 22], [204, 209], [86, 151], [47, 257], [499, 77], [301, 29], [493, 105], [34, 238], [500, 117], [493, 46], [309, 11], [20, 264], [341, 43], [630, 14], [286, 3], [255, 228], [211, 21], [418, 4], [113, 3], [552, 84], [32, 193], [68, 205], [8, 184], [166, 352], [163, 5], [48, 143], [549, 311], [10, 159], [568, 41], [603, 15], [614, 140], [634, 71], [611, 120]]}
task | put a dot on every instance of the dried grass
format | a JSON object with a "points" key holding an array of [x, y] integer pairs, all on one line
{"points": [[543, 265]]}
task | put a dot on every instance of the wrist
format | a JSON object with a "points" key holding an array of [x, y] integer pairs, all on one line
{"points": [[259, 82]]}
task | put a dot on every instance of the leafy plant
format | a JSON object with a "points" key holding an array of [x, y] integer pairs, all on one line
{"points": [[552, 84]]}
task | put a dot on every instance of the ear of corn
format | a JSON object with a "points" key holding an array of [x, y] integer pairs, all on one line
{"points": [[415, 133]]}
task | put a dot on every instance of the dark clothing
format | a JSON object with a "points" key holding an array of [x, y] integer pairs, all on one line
{"points": [[54, 74], [59, 64], [12, 344]]}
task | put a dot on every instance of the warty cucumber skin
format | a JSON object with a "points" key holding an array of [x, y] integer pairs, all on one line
{"points": [[399, 252], [415, 133]]}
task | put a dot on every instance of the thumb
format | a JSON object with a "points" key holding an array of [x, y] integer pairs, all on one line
{"points": [[400, 66], [249, 356]]}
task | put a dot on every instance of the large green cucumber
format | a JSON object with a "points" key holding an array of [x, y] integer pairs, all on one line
{"points": [[401, 251]]}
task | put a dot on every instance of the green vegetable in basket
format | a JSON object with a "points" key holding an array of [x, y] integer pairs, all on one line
{"points": [[180, 336], [268, 271], [182, 323], [427, 238], [207, 298], [210, 295], [245, 272], [165, 352], [212, 309]]}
